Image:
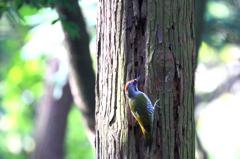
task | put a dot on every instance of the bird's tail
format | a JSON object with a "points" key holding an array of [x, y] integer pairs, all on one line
{"points": [[148, 138]]}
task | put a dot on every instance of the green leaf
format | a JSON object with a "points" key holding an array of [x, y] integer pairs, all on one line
{"points": [[55, 21], [27, 10], [3, 9], [71, 28], [18, 3]]}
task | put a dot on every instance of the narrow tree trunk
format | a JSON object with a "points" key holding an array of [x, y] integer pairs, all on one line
{"points": [[82, 79], [52, 119], [199, 16], [154, 39]]}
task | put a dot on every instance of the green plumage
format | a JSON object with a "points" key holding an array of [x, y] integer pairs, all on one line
{"points": [[142, 110]]}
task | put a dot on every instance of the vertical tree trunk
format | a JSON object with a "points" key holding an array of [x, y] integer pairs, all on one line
{"points": [[52, 119], [154, 39], [82, 79], [199, 16], [200, 22]]}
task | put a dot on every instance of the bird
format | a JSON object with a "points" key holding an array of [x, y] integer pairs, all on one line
{"points": [[141, 108]]}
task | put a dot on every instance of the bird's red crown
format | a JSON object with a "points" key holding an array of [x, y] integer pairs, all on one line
{"points": [[126, 86]]}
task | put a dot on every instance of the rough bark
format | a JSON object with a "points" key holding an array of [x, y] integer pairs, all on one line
{"points": [[154, 39], [83, 78], [51, 120]]}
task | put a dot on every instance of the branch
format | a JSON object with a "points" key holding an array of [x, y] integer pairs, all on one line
{"points": [[223, 88], [83, 79]]}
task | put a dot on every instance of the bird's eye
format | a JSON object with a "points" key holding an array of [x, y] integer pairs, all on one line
{"points": [[134, 82]]}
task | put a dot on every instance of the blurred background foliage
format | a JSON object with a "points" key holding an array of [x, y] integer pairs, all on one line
{"points": [[217, 83], [31, 33]]}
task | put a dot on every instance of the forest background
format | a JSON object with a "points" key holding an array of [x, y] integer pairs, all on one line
{"points": [[33, 53]]}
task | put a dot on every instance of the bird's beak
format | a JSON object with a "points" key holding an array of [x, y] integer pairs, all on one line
{"points": [[138, 78]]}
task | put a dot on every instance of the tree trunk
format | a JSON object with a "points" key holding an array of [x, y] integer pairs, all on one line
{"points": [[82, 78], [52, 119], [154, 39], [200, 22]]}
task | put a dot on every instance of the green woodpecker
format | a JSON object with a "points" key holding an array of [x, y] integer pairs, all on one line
{"points": [[141, 108]]}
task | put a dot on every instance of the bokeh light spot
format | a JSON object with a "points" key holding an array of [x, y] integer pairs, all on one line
{"points": [[15, 74]]}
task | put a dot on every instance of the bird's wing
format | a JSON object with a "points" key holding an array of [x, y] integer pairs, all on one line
{"points": [[142, 110]]}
